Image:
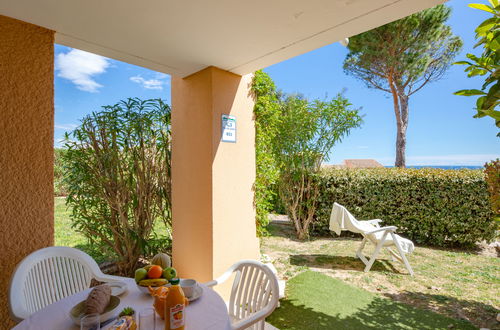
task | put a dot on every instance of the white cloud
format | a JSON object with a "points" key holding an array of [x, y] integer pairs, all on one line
{"points": [[155, 83], [59, 143], [66, 127], [460, 159], [160, 75], [81, 68]]}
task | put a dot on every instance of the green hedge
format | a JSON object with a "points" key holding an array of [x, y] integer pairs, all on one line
{"points": [[429, 206]]}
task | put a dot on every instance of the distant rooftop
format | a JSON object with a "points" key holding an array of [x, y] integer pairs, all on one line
{"points": [[361, 163]]}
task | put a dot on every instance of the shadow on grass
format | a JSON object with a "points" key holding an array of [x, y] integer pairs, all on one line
{"points": [[287, 230], [379, 314], [483, 315], [283, 229], [316, 301], [340, 262]]}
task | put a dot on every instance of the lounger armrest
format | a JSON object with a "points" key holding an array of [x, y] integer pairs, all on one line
{"points": [[388, 228], [374, 222]]}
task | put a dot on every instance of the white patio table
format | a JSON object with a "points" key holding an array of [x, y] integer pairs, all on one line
{"points": [[207, 312]]}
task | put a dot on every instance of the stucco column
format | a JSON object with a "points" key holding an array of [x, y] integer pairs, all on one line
{"points": [[26, 146], [212, 181]]}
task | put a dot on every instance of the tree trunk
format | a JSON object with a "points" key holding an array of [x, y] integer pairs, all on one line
{"points": [[401, 133], [400, 147], [303, 234], [401, 111]]}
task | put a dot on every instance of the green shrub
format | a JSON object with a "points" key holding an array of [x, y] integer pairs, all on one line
{"points": [[429, 206], [492, 172], [60, 188], [267, 113], [307, 132], [117, 171]]}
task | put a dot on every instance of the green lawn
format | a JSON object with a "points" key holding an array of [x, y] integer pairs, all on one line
{"points": [[67, 236], [455, 283], [64, 234], [317, 301]]}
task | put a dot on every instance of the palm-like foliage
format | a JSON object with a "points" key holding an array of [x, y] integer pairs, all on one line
{"points": [[488, 64]]}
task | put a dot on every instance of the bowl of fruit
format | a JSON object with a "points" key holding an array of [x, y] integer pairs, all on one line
{"points": [[157, 274]]}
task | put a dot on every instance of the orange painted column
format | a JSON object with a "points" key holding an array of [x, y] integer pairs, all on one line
{"points": [[26, 146], [212, 181]]}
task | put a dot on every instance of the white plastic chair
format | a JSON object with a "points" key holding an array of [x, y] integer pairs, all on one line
{"points": [[254, 294], [48, 275], [342, 219]]}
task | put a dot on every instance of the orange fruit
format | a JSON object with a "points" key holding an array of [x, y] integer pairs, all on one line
{"points": [[155, 272]]}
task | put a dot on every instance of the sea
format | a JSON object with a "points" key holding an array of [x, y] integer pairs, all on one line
{"points": [[447, 167]]}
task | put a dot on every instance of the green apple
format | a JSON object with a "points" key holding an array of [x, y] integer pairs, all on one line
{"points": [[169, 273], [140, 274]]}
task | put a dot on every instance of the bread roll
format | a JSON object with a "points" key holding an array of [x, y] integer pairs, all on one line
{"points": [[98, 299]]}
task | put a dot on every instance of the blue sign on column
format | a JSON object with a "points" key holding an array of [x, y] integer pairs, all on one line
{"points": [[228, 128]]}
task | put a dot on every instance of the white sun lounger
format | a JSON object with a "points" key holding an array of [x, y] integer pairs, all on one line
{"points": [[341, 219]]}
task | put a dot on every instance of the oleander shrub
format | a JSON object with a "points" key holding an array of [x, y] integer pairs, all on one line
{"points": [[60, 188], [117, 172], [429, 206]]}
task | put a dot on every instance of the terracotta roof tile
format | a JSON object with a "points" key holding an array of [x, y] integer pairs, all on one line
{"points": [[361, 163]]}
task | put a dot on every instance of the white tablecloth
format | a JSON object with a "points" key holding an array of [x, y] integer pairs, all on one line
{"points": [[207, 312]]}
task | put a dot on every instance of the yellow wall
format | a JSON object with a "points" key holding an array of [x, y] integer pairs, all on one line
{"points": [[212, 181], [26, 145], [233, 174], [192, 175]]}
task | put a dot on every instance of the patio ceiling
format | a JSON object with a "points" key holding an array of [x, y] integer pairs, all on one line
{"points": [[183, 36]]}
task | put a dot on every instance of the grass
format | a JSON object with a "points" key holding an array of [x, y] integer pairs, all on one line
{"points": [[454, 283], [65, 235], [317, 301]]}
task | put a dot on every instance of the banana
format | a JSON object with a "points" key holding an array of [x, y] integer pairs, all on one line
{"points": [[153, 282]]}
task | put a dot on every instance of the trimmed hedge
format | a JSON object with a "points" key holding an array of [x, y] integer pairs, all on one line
{"points": [[492, 172], [429, 206]]}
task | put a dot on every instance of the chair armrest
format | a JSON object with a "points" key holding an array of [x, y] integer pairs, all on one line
{"points": [[109, 278], [388, 228], [250, 320], [211, 283], [221, 279]]}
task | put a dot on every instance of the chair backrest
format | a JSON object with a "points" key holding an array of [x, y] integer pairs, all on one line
{"points": [[255, 289], [48, 275], [348, 222]]}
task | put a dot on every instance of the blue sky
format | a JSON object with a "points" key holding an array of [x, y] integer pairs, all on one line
{"points": [[441, 128]]}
